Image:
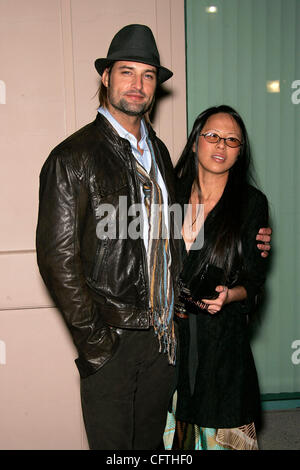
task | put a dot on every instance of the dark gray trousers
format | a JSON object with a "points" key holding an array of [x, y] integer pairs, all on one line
{"points": [[125, 403]]}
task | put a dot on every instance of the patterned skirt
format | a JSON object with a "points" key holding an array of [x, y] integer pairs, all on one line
{"points": [[179, 435]]}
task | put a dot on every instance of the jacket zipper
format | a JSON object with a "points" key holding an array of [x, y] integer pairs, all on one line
{"points": [[99, 258]]}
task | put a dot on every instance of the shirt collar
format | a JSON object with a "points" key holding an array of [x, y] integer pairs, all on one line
{"points": [[123, 132]]}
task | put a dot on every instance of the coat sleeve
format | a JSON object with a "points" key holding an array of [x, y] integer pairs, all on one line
{"points": [[62, 205], [255, 267]]}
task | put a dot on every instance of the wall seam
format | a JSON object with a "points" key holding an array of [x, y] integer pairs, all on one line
{"points": [[68, 66]]}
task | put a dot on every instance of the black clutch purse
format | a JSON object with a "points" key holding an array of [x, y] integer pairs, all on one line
{"points": [[203, 287]]}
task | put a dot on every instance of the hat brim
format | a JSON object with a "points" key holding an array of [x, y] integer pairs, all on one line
{"points": [[163, 73]]}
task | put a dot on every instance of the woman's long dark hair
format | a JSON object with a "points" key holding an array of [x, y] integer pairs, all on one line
{"points": [[222, 237]]}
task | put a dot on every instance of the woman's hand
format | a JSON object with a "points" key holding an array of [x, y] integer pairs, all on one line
{"points": [[225, 296], [215, 305]]}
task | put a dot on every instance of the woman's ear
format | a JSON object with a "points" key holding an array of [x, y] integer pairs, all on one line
{"points": [[194, 147]]}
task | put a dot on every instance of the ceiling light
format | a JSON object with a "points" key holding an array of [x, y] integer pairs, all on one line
{"points": [[273, 86], [211, 9]]}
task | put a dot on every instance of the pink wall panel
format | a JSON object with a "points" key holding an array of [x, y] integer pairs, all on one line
{"points": [[47, 91], [33, 116], [39, 405]]}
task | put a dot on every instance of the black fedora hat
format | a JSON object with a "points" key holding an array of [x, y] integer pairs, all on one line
{"points": [[135, 43]]}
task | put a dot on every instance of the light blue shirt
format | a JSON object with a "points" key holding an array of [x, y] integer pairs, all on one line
{"points": [[144, 160]]}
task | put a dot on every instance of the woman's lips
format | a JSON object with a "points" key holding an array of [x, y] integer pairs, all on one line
{"points": [[218, 158]]}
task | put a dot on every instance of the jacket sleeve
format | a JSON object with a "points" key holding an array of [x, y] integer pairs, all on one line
{"points": [[62, 206], [255, 267]]}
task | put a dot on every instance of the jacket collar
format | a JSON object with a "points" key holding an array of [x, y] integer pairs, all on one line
{"points": [[117, 142]]}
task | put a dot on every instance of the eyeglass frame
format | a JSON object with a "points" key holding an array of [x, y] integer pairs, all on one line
{"points": [[222, 138]]}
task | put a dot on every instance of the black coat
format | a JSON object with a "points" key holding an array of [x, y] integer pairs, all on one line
{"points": [[96, 282], [226, 392]]}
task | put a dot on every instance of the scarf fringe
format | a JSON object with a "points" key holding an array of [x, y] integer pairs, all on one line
{"points": [[166, 337]]}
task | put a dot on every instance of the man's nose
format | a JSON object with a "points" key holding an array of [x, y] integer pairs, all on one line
{"points": [[138, 81]]}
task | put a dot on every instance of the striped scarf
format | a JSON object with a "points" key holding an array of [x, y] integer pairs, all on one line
{"points": [[158, 260]]}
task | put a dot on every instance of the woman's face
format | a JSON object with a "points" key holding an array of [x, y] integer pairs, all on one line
{"points": [[218, 157]]}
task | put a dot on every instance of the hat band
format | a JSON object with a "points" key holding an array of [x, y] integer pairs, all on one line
{"points": [[133, 54]]}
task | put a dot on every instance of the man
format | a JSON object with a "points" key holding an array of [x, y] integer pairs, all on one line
{"points": [[116, 293]]}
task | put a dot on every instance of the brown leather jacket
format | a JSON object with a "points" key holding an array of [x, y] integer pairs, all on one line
{"points": [[96, 283]]}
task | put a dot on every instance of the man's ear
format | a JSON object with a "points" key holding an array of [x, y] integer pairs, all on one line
{"points": [[105, 78]]}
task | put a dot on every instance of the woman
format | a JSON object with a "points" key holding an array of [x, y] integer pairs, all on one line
{"points": [[218, 398]]}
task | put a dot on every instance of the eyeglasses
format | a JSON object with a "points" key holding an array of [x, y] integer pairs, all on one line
{"points": [[213, 138]]}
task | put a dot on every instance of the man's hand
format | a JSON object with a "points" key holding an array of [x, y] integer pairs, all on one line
{"points": [[264, 235]]}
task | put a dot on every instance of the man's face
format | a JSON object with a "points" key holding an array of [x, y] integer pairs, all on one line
{"points": [[130, 87]]}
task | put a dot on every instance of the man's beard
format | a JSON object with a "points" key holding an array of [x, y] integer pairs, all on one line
{"points": [[129, 108], [125, 108]]}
